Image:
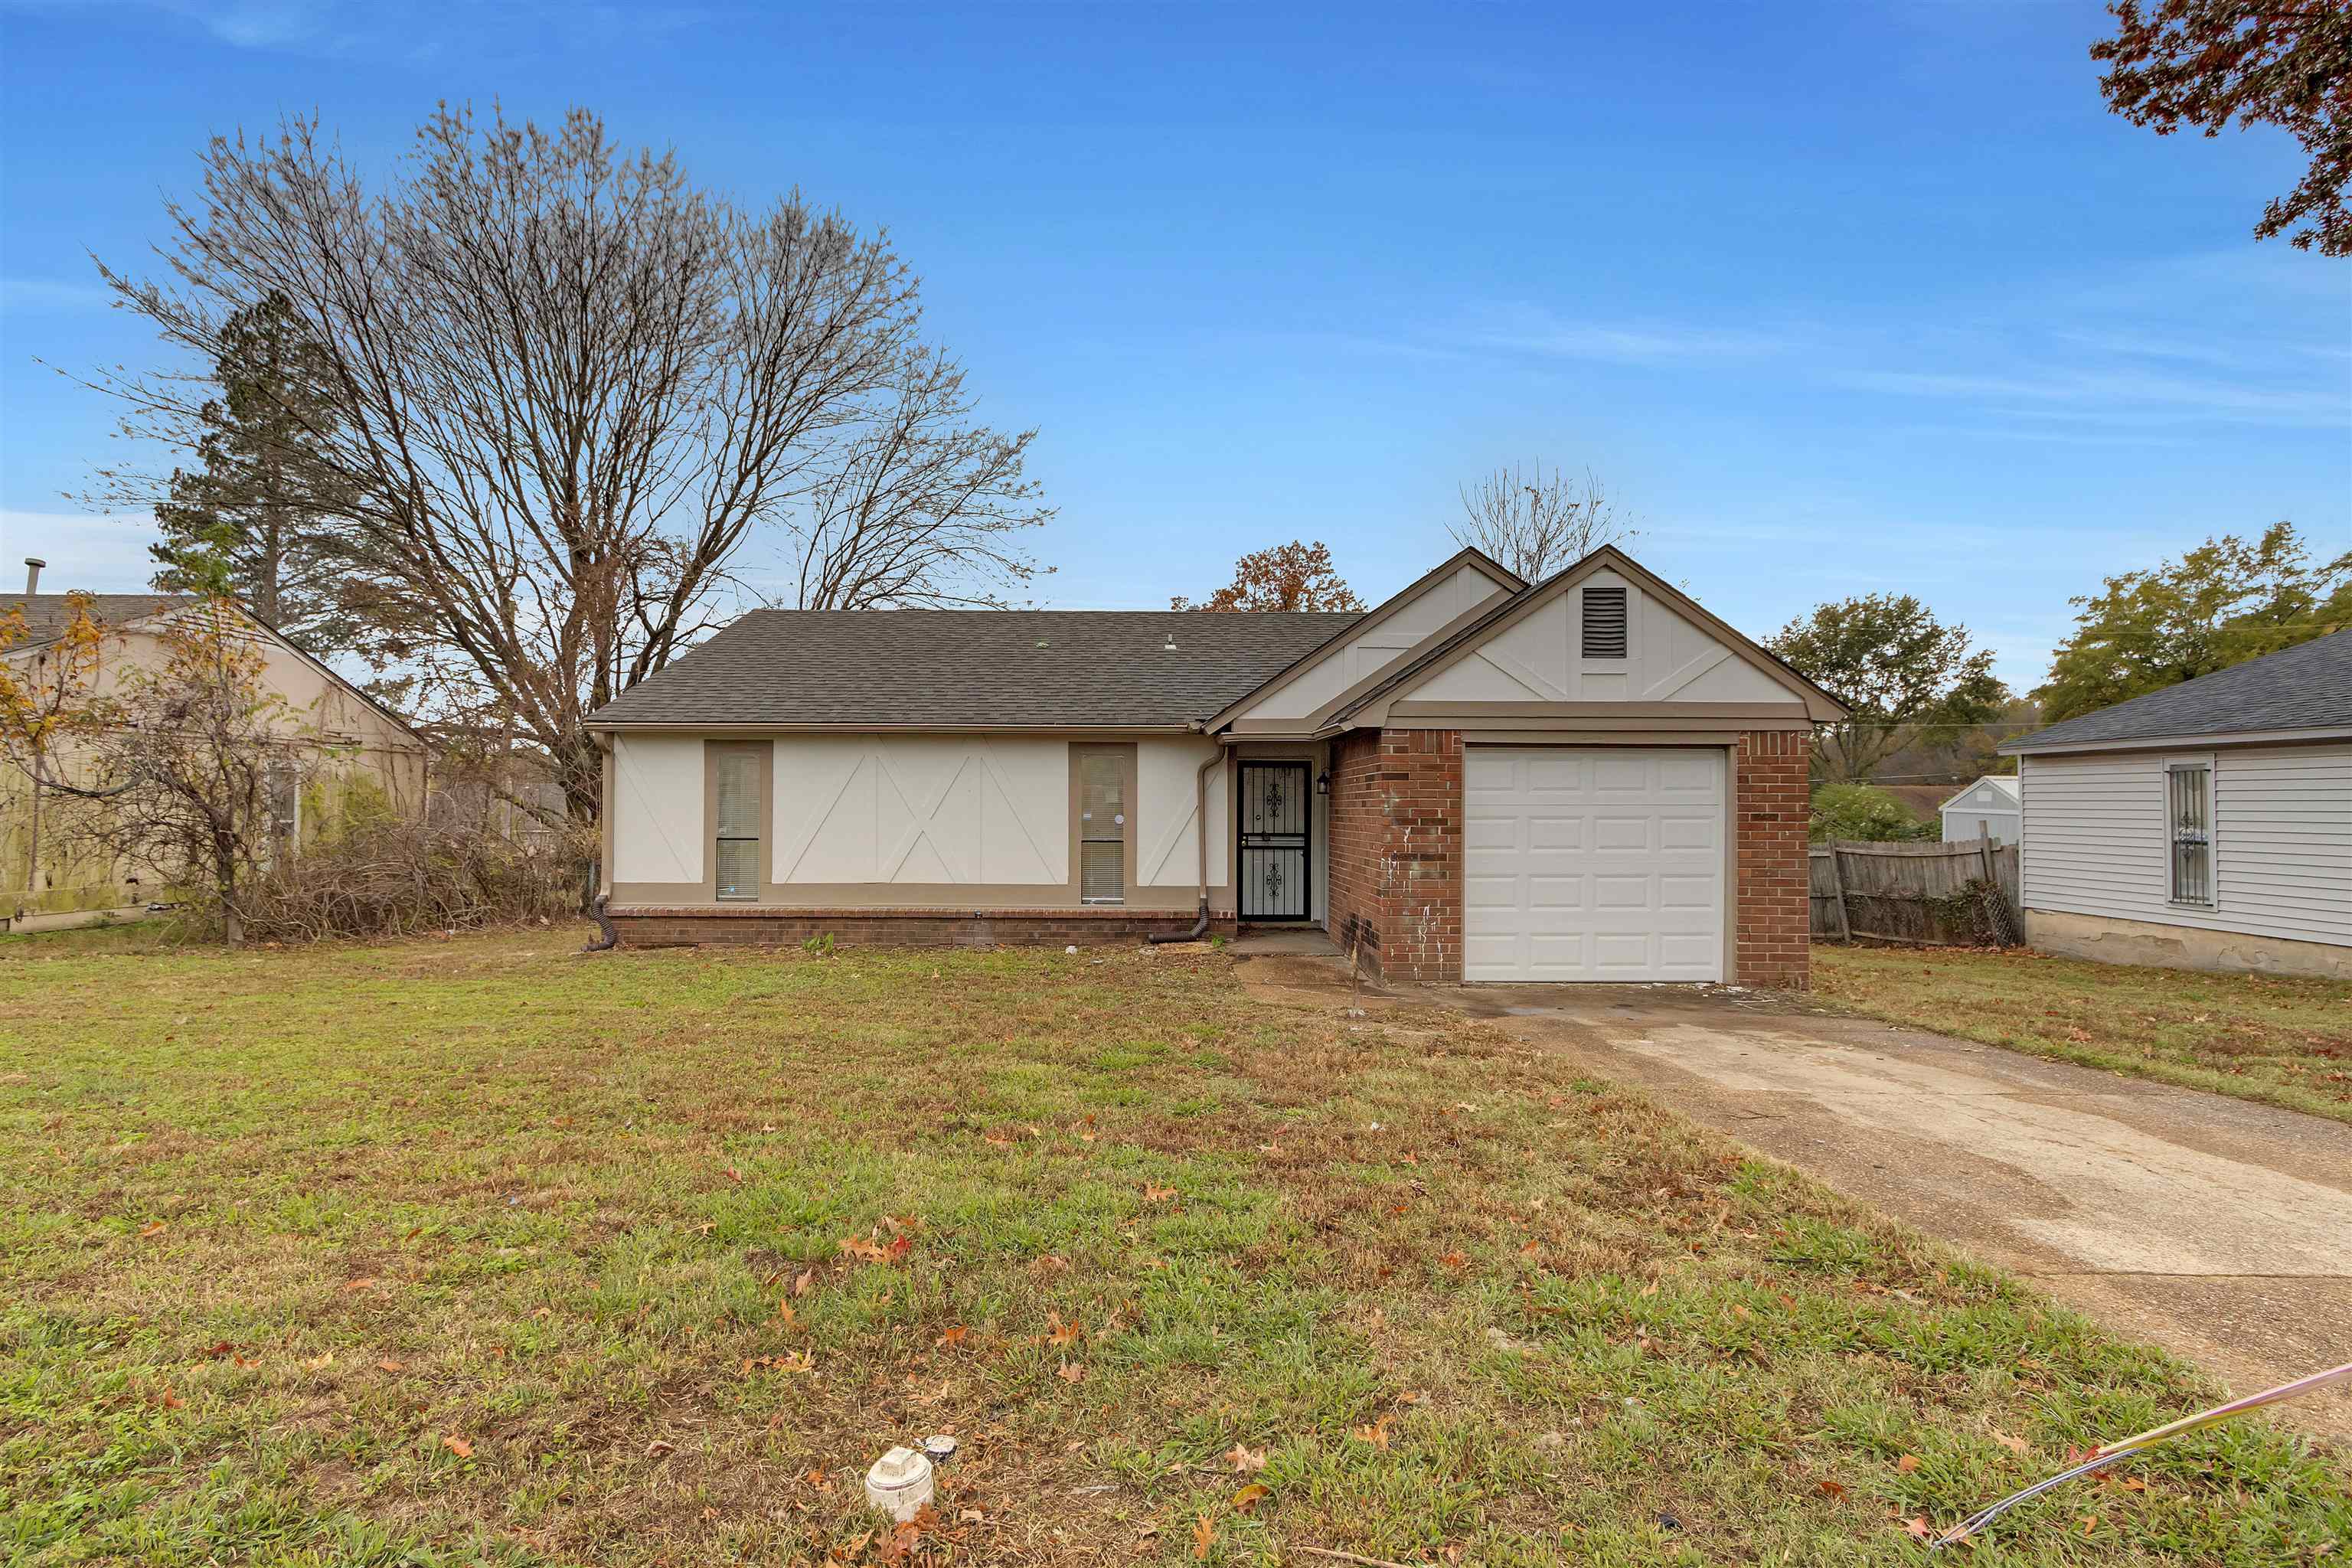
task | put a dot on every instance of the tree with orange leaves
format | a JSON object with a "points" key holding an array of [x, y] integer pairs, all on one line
{"points": [[1294, 576]]}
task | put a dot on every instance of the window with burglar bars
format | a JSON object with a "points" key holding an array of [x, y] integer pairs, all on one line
{"points": [[737, 787], [2190, 809]]}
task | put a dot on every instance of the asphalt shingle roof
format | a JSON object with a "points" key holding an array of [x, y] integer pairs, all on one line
{"points": [[47, 616], [952, 667], [2309, 687]]}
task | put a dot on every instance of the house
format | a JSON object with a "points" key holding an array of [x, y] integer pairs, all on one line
{"points": [[2207, 826], [1986, 809], [1589, 778], [341, 746]]}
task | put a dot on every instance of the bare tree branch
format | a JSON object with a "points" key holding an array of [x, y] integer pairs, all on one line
{"points": [[1536, 525]]}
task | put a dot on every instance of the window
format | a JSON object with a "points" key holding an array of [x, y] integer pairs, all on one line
{"points": [[2188, 792], [283, 783], [1604, 623], [1102, 823], [738, 784]]}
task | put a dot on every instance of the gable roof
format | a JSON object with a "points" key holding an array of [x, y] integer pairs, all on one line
{"points": [[2004, 783], [1474, 629], [2307, 687], [47, 616], [960, 670], [1468, 555]]}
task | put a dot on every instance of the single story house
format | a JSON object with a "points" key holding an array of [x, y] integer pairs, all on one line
{"points": [[1988, 808], [1587, 778], [342, 748], [2207, 826]]}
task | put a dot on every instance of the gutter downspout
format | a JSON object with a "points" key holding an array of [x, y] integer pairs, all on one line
{"points": [[1201, 840]]}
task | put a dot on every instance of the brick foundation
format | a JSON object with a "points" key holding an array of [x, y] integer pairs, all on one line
{"points": [[1771, 906], [768, 926]]}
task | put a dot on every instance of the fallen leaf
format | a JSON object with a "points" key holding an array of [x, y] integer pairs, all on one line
{"points": [[458, 1446], [1204, 1535], [320, 1363], [1156, 1194], [734, 1175], [1651, 1288], [1245, 1460], [1455, 1260], [1071, 1372], [1832, 1489], [818, 1480], [1250, 1496], [2090, 1522], [954, 1337], [215, 1353], [1907, 1463], [368, 1284], [660, 1448], [170, 1401], [153, 1229], [862, 1247], [1377, 1434], [2015, 1445], [2131, 1483], [1917, 1527], [804, 1282], [388, 1365]]}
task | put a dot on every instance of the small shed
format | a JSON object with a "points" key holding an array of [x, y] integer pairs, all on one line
{"points": [[1989, 809]]}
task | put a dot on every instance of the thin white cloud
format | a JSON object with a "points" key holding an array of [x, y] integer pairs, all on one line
{"points": [[2112, 396], [1528, 329]]}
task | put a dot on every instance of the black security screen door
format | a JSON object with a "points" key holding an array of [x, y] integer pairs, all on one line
{"points": [[1275, 800]]}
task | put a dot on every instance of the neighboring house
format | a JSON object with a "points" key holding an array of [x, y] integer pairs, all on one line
{"points": [[1590, 778], [2207, 826], [1988, 808], [340, 745]]}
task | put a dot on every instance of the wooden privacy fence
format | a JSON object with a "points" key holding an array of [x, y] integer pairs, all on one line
{"points": [[1928, 893]]}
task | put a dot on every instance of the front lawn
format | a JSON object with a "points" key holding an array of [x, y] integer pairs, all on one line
{"points": [[2282, 1041], [474, 1251]]}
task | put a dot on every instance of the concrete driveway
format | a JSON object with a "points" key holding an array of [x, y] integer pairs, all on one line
{"points": [[2218, 1228]]}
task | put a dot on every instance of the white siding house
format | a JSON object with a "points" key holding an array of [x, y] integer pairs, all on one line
{"points": [[2207, 826]]}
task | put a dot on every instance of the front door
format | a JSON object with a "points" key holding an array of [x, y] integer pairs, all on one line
{"points": [[1276, 803]]}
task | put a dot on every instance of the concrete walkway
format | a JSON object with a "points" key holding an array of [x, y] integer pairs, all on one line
{"points": [[2218, 1228]]}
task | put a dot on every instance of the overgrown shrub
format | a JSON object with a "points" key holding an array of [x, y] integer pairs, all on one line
{"points": [[1861, 811], [391, 878]]}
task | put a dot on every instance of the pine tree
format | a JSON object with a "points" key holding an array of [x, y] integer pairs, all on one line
{"points": [[260, 517]]}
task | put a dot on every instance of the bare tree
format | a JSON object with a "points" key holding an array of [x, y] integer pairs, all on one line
{"points": [[1536, 525], [566, 387], [921, 507]]}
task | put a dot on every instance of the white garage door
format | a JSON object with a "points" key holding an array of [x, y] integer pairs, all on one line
{"points": [[1592, 863]]}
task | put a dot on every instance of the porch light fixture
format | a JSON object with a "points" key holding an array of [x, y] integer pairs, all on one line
{"points": [[1323, 782]]}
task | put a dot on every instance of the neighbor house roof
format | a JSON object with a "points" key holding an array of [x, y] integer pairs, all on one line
{"points": [[2003, 783], [974, 669], [47, 616], [2309, 687]]}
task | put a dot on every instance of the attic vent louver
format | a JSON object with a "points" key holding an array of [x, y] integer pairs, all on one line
{"points": [[1604, 623]]}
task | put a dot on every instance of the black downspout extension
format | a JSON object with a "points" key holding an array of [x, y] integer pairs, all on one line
{"points": [[1199, 929], [612, 938]]}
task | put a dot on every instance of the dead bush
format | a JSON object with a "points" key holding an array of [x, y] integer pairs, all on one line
{"points": [[403, 879]]}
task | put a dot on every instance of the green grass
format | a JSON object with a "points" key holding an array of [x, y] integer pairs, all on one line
{"points": [[2280, 1040], [284, 1225]]}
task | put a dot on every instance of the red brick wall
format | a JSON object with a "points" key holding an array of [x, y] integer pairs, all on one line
{"points": [[767, 926], [1356, 829], [1396, 851], [1772, 911]]}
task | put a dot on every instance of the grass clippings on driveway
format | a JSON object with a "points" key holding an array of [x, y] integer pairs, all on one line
{"points": [[2277, 1039], [475, 1251]]}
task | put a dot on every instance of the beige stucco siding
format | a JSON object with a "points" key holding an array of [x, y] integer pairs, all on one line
{"points": [[1167, 811], [1540, 658], [2095, 839], [1398, 632], [658, 808]]}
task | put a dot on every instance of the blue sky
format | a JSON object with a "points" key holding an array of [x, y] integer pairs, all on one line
{"points": [[1834, 299]]}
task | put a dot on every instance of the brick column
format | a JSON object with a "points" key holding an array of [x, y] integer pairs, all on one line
{"points": [[1771, 906], [1396, 851]]}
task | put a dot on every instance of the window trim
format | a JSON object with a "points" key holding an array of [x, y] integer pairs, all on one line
{"points": [[1128, 855], [2191, 764], [767, 839]]}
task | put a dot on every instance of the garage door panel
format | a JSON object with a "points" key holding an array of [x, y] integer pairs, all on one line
{"points": [[1600, 863]]}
